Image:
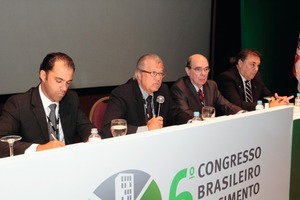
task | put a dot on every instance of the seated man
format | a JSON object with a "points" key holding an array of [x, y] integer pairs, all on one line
{"points": [[242, 84], [46, 116], [136, 100], [192, 92]]}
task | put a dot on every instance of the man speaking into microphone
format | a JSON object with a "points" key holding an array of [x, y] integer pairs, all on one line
{"points": [[144, 101]]}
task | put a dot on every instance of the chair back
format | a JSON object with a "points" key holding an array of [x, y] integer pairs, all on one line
{"points": [[97, 112]]}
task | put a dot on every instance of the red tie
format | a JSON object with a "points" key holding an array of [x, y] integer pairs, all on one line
{"points": [[201, 97]]}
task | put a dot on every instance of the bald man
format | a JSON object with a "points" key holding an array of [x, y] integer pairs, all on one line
{"points": [[190, 93]]}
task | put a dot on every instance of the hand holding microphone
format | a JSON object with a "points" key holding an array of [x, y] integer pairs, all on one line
{"points": [[156, 122]]}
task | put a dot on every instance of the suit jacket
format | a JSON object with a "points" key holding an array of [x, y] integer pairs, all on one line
{"points": [[185, 100], [126, 102], [231, 86], [24, 115]]}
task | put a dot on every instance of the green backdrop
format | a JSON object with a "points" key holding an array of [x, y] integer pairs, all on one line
{"points": [[272, 27]]}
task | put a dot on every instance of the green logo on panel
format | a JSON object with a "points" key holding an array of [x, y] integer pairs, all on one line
{"points": [[129, 184]]}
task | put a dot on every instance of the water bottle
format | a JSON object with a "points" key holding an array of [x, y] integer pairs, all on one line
{"points": [[196, 117], [259, 105], [94, 135], [297, 100]]}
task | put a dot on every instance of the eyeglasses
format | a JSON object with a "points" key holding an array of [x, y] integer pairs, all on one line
{"points": [[154, 73], [200, 69]]}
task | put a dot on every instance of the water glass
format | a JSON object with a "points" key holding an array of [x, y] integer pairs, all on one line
{"points": [[11, 139], [208, 112], [118, 127]]}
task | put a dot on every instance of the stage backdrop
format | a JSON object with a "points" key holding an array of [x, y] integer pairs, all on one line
{"points": [[246, 156], [105, 38]]}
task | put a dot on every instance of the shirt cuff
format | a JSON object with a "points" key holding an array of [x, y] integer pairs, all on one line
{"points": [[31, 149], [241, 111], [142, 129]]}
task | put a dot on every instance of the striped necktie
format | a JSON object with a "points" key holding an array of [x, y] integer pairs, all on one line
{"points": [[52, 121], [248, 92], [201, 97]]}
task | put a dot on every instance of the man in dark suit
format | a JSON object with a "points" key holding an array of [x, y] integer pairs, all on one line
{"points": [[27, 114], [185, 92], [233, 82], [129, 101]]}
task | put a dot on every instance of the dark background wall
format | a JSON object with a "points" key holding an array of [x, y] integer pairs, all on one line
{"points": [[270, 27], [273, 28], [226, 31]]}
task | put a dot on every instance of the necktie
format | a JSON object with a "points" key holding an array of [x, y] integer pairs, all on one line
{"points": [[149, 107], [201, 97], [248, 93], [52, 121]]}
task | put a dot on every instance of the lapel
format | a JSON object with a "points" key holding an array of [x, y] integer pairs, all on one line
{"points": [[240, 83], [206, 93], [209, 94], [254, 85], [64, 115], [138, 101], [39, 112], [191, 88]]}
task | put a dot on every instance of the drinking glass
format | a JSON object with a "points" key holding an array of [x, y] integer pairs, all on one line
{"points": [[208, 112], [267, 105], [11, 139], [268, 99], [118, 127]]}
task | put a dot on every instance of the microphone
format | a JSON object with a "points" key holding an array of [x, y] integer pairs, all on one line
{"points": [[160, 100]]}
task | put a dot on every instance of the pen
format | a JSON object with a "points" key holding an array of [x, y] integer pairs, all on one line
{"points": [[53, 137]]}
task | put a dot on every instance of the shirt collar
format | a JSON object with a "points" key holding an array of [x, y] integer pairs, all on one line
{"points": [[243, 78], [196, 87], [46, 102], [144, 93]]}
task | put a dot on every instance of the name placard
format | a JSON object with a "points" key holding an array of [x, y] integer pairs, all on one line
{"points": [[243, 156]]}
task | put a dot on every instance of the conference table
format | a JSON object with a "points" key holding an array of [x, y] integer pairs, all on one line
{"points": [[295, 162], [230, 157]]}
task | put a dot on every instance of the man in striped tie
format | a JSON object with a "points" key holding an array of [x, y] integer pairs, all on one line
{"points": [[242, 84]]}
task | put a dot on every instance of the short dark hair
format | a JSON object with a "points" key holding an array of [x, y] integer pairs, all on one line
{"points": [[188, 63], [49, 61], [242, 55]]}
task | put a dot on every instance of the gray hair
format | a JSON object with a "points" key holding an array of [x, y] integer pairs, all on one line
{"points": [[141, 62]]}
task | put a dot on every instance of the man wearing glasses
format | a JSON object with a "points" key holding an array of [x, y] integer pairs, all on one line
{"points": [[190, 93], [136, 100]]}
